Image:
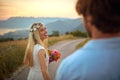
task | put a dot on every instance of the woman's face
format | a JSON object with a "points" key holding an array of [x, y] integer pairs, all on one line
{"points": [[43, 32]]}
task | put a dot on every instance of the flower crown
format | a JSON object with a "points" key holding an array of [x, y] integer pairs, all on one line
{"points": [[35, 26]]}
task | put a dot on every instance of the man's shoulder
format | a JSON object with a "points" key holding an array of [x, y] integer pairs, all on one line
{"points": [[74, 58], [70, 64]]}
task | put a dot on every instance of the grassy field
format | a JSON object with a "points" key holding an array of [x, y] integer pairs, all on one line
{"points": [[82, 43], [11, 56], [53, 40], [12, 53]]}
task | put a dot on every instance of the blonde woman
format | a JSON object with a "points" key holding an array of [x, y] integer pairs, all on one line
{"points": [[36, 56]]}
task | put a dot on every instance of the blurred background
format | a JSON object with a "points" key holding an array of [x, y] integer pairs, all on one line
{"points": [[16, 17]]}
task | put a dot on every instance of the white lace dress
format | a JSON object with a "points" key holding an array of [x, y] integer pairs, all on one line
{"points": [[35, 71]]}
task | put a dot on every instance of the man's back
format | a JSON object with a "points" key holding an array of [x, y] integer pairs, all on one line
{"points": [[97, 60]]}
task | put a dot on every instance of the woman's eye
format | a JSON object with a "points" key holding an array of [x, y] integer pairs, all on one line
{"points": [[41, 30], [44, 28]]}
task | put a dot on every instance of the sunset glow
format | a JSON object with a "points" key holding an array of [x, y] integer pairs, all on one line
{"points": [[37, 8]]}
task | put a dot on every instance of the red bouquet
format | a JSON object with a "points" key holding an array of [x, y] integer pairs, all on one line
{"points": [[54, 55]]}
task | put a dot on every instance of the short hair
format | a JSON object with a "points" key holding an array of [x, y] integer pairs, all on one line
{"points": [[105, 14]]}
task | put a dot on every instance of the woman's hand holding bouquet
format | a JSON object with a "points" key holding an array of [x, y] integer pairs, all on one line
{"points": [[54, 55]]}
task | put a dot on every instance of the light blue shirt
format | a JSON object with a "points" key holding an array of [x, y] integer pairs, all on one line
{"points": [[97, 60]]}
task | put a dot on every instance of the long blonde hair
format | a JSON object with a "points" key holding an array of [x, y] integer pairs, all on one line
{"points": [[34, 38]]}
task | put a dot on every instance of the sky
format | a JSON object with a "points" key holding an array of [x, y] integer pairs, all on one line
{"points": [[37, 8]]}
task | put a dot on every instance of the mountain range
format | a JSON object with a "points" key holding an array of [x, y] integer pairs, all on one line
{"points": [[62, 25]]}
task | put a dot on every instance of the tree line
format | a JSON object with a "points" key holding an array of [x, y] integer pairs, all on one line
{"points": [[76, 33]]}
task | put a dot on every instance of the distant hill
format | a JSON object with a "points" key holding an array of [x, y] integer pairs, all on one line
{"points": [[19, 34], [65, 26], [62, 25], [25, 22]]}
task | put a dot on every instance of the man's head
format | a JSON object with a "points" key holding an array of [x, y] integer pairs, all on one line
{"points": [[103, 14]]}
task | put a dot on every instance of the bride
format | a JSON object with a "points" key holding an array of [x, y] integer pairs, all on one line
{"points": [[36, 56]]}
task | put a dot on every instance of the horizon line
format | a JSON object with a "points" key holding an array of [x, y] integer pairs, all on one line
{"points": [[40, 17]]}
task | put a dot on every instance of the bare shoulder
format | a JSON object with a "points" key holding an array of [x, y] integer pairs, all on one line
{"points": [[41, 52]]}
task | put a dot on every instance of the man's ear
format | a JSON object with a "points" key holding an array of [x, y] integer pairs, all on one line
{"points": [[89, 20]]}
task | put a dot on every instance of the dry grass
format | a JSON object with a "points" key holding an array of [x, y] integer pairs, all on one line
{"points": [[11, 56], [12, 53], [81, 44], [53, 40]]}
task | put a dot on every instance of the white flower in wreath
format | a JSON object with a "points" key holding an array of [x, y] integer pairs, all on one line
{"points": [[31, 30], [35, 28]]}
